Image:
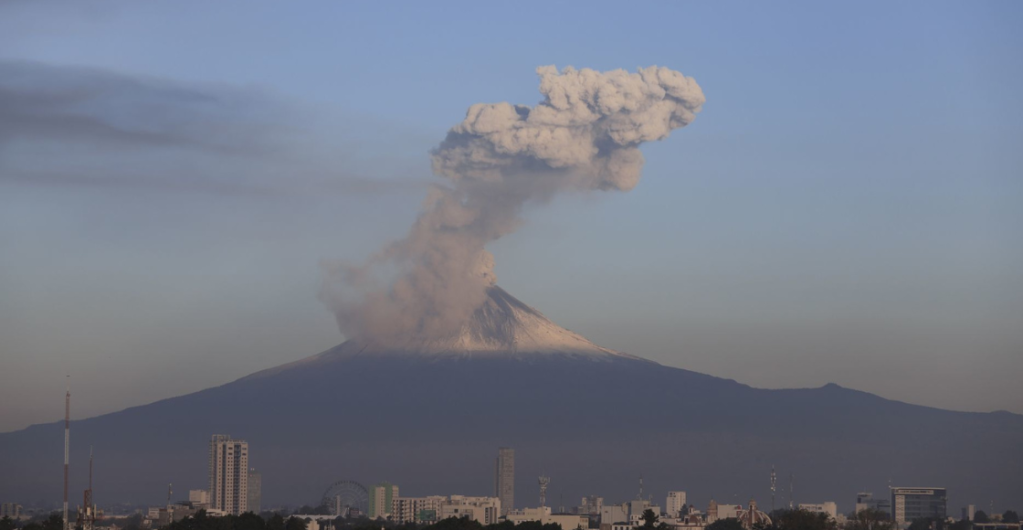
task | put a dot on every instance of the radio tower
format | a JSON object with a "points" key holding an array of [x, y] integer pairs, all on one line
{"points": [[67, 439], [544, 481]]}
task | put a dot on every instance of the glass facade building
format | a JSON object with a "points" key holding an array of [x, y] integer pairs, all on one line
{"points": [[910, 504]]}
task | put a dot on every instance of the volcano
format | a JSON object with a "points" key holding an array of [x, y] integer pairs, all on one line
{"points": [[429, 416]]}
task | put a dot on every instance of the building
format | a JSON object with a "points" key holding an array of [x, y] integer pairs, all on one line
{"points": [[612, 514], [865, 501], [416, 509], [255, 491], [751, 517], [969, 512], [909, 504], [199, 498], [504, 479], [829, 508], [381, 497], [10, 509], [229, 477], [675, 504], [544, 516], [484, 510], [717, 511]]}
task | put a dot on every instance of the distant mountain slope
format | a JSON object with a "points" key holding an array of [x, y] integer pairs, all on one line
{"points": [[430, 419]]}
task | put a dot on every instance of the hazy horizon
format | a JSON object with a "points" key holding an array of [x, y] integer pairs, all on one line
{"points": [[843, 212]]}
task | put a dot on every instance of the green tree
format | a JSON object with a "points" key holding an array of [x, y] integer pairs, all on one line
{"points": [[54, 522], [926, 523], [870, 519], [650, 518], [1010, 517], [980, 517], [7, 523], [294, 523], [725, 524], [275, 522], [963, 524], [455, 523], [802, 520]]}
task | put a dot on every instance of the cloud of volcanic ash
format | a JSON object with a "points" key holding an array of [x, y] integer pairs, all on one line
{"points": [[584, 135]]}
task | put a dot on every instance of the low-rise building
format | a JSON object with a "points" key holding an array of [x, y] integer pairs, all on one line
{"points": [[484, 510], [544, 516]]}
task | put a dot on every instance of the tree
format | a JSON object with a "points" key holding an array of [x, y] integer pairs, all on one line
{"points": [[870, 519], [1010, 517], [7, 523], [725, 524], [981, 517], [803, 520], [275, 522], [455, 523], [54, 522], [927, 523], [294, 523], [963, 524], [649, 518]]}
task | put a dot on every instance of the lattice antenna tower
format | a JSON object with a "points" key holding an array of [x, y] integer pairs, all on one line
{"points": [[544, 482]]}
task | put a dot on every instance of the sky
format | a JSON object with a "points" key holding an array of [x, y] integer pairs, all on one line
{"points": [[845, 208]]}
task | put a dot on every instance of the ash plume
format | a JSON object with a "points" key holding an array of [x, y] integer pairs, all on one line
{"points": [[584, 135]]}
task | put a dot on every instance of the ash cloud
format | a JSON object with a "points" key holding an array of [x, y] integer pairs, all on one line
{"points": [[584, 135], [127, 132]]}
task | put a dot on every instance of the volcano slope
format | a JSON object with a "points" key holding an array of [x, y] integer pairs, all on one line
{"points": [[429, 416]]}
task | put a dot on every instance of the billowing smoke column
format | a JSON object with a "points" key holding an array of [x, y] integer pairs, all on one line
{"points": [[583, 136]]}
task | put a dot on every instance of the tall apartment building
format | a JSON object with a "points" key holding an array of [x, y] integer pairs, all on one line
{"points": [[676, 503], [255, 491], [381, 498], [229, 477], [504, 479], [909, 504]]}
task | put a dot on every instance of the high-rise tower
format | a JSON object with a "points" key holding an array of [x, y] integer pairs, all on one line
{"points": [[229, 474], [504, 479]]}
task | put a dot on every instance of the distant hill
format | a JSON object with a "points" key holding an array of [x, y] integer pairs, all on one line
{"points": [[430, 416]]}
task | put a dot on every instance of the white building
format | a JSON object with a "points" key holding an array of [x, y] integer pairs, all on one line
{"points": [[229, 475], [544, 516], [10, 509], [611, 514], [676, 502], [199, 498], [484, 510], [829, 508], [416, 509]]}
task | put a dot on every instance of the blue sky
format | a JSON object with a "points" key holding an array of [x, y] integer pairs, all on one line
{"points": [[846, 208]]}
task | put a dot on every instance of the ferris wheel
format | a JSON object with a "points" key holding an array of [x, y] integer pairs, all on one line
{"points": [[346, 498]]}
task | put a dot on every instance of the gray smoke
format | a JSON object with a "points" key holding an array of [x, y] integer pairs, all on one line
{"points": [[583, 136]]}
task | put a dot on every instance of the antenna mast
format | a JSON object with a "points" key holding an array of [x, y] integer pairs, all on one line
{"points": [[544, 481], [67, 439]]}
